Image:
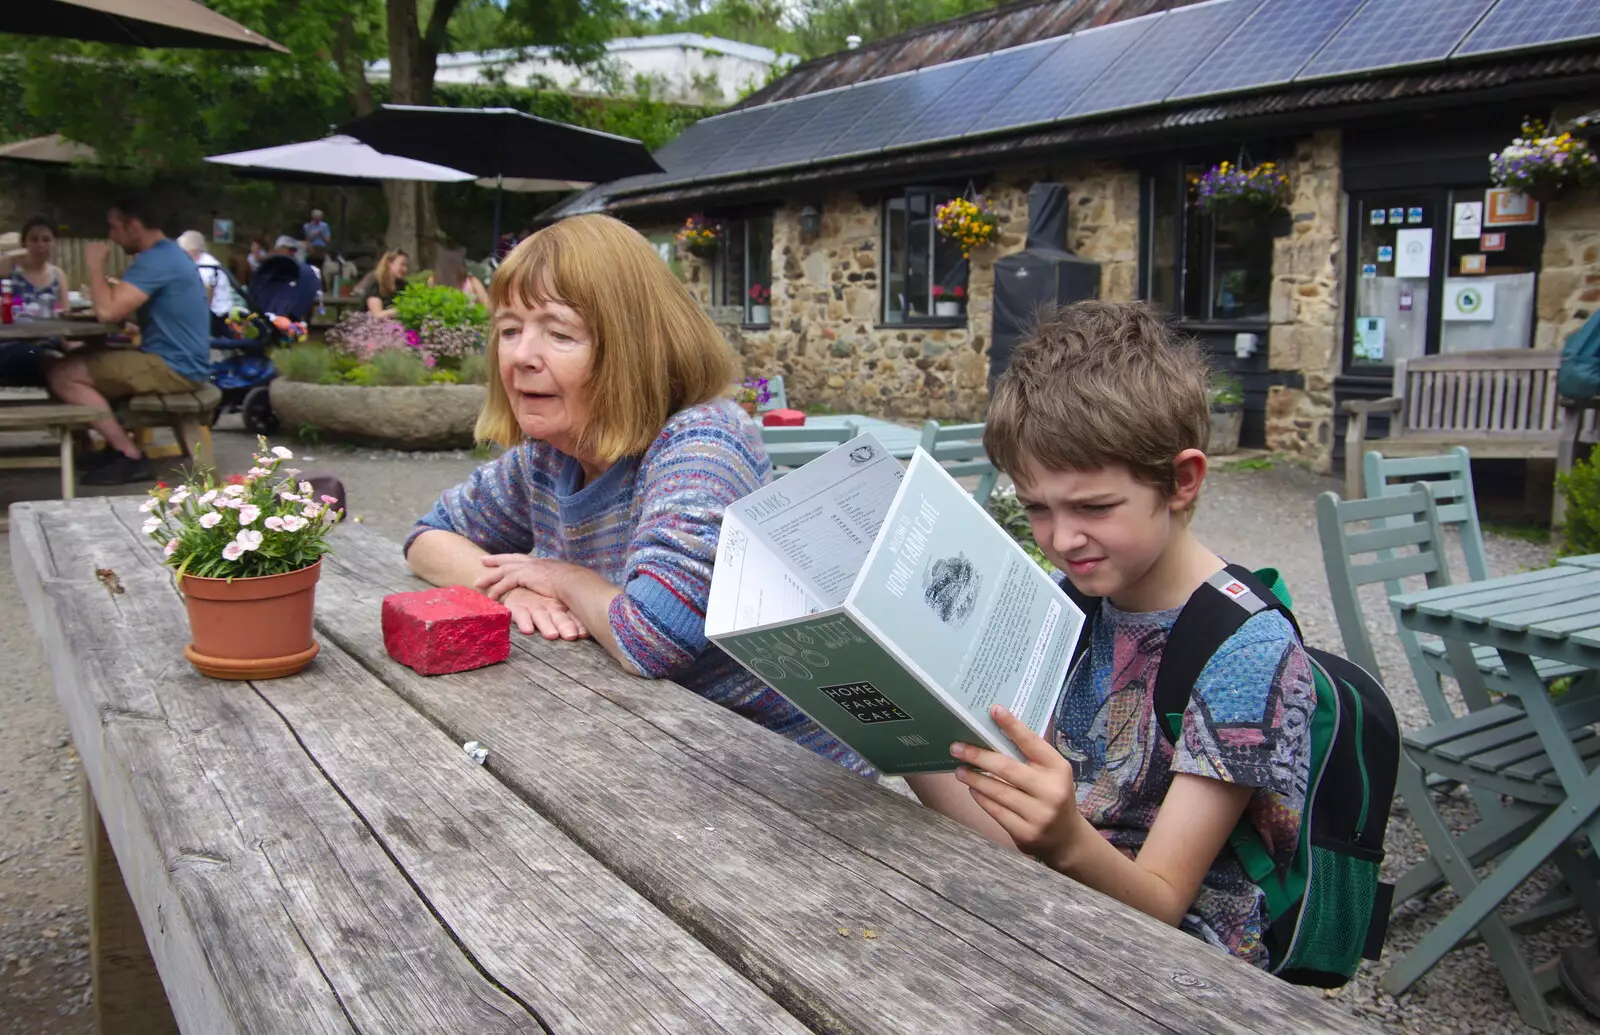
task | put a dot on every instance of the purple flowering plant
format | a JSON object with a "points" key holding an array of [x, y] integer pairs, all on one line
{"points": [[1227, 185], [753, 390], [1541, 163]]}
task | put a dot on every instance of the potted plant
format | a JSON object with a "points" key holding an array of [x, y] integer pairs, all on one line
{"points": [[967, 221], [751, 393], [699, 236], [248, 553], [1542, 164], [760, 304], [1227, 414], [1227, 189], [948, 301]]}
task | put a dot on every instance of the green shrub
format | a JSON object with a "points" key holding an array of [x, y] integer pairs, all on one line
{"points": [[1581, 487], [1007, 511], [1226, 390], [445, 305], [473, 369], [312, 363], [444, 377], [398, 367], [362, 375]]}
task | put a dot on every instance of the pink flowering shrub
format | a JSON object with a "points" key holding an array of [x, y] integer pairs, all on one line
{"points": [[261, 524], [361, 334]]}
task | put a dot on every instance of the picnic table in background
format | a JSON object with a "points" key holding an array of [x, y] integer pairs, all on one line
{"points": [[1540, 751], [32, 330], [318, 854], [796, 451]]}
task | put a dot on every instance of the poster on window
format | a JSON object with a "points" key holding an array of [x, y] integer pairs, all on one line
{"points": [[1504, 207], [1369, 339], [1413, 253], [1469, 220], [1468, 300]]}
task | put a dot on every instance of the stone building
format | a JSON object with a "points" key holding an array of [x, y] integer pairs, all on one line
{"points": [[825, 183]]}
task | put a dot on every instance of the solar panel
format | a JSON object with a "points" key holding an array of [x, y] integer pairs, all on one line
{"points": [[1163, 57], [1515, 24], [1049, 89], [1269, 48], [986, 81], [908, 97], [843, 109], [1386, 33], [707, 140], [750, 151]]}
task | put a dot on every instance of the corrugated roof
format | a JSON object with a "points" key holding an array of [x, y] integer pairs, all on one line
{"points": [[980, 33]]}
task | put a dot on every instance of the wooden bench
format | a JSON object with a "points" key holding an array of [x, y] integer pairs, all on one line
{"points": [[60, 419], [188, 414], [1499, 404]]}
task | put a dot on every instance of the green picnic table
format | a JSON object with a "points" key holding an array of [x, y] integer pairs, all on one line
{"points": [[1544, 756], [790, 447]]}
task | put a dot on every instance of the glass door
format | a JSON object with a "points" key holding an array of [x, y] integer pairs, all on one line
{"points": [[1392, 269], [1491, 272]]}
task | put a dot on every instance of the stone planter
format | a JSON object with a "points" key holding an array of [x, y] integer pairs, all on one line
{"points": [[1226, 422], [421, 417]]}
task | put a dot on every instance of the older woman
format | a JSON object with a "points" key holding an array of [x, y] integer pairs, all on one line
{"points": [[602, 517]]}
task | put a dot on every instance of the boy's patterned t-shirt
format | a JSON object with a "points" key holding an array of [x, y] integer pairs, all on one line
{"points": [[1248, 722]]}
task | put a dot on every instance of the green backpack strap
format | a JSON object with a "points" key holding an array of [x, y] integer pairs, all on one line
{"points": [[1214, 612]]}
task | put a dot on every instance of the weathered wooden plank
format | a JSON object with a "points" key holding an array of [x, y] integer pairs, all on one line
{"points": [[187, 870], [347, 942], [339, 782], [805, 847]]}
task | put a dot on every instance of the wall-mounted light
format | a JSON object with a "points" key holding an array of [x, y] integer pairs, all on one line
{"points": [[810, 221]]}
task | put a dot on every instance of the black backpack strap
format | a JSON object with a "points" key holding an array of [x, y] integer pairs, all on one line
{"points": [[1090, 606], [1214, 612]]}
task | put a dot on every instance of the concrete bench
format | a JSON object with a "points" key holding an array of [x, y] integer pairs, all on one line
{"points": [[188, 414]]}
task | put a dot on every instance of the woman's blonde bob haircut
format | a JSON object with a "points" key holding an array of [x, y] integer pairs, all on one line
{"points": [[655, 350]]}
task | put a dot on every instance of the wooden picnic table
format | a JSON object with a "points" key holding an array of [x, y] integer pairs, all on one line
{"points": [[318, 854], [1553, 613], [28, 330]]}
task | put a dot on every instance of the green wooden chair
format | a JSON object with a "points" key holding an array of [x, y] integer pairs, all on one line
{"points": [[1493, 750], [1448, 479], [793, 447], [959, 450]]}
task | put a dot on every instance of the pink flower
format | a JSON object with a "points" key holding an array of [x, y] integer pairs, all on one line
{"points": [[329, 499], [171, 548], [275, 523], [232, 552], [248, 514], [293, 523], [210, 520], [413, 338], [248, 539]]}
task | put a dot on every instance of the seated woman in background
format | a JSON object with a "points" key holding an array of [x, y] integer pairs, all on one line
{"points": [[388, 280], [601, 518], [39, 287], [450, 270]]}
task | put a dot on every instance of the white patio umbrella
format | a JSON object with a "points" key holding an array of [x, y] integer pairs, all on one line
{"points": [[336, 159]]}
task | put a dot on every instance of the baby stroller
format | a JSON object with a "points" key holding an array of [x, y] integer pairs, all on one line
{"points": [[281, 294]]}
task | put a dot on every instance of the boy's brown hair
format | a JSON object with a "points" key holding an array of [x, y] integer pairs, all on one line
{"points": [[1098, 384]]}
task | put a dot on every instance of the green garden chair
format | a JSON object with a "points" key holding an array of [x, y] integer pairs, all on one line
{"points": [[794, 447], [1448, 479], [959, 450], [1492, 751]]}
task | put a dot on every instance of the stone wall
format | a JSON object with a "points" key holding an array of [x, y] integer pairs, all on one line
{"points": [[1569, 273], [826, 337], [1306, 332]]}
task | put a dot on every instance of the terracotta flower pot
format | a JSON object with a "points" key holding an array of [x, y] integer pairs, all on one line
{"points": [[748, 407], [251, 628]]}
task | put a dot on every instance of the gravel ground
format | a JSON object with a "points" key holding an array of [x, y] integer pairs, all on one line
{"points": [[1257, 517]]}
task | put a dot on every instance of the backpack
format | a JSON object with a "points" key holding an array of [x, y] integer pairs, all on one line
{"points": [[1579, 376], [1326, 910]]}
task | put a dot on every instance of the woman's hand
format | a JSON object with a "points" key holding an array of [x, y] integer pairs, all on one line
{"points": [[507, 571], [549, 617], [1035, 802]]}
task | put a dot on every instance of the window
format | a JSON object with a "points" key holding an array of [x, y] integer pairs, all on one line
{"points": [[1201, 268], [924, 269], [743, 268]]}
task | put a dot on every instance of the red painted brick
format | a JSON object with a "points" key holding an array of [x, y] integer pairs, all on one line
{"points": [[448, 629]]}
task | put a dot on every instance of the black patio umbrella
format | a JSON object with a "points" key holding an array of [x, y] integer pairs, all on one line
{"points": [[138, 23], [501, 143]]}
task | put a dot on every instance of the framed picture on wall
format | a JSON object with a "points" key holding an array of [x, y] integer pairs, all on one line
{"points": [[222, 231], [1503, 207]]}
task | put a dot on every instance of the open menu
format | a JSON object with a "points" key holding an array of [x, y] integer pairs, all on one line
{"points": [[890, 607]]}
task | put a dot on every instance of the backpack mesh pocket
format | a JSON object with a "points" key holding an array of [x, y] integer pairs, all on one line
{"points": [[1336, 910]]}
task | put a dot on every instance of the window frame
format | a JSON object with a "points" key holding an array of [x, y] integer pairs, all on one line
{"points": [[936, 195], [742, 225], [1187, 219]]}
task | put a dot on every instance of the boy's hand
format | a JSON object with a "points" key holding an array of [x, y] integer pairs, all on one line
{"points": [[1035, 801]]}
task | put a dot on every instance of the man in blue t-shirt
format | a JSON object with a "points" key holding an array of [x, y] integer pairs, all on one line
{"points": [[163, 292]]}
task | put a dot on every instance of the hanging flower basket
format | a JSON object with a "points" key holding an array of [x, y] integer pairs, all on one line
{"points": [[967, 221], [1227, 189], [700, 237], [1543, 165]]}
